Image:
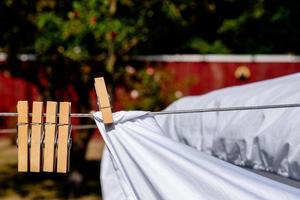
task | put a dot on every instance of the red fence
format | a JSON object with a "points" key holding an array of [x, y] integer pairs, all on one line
{"points": [[210, 72]]}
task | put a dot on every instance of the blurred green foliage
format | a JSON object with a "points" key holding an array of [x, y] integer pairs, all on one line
{"points": [[109, 30]]}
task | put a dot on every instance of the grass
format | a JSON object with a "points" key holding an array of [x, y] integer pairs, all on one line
{"points": [[33, 186]]}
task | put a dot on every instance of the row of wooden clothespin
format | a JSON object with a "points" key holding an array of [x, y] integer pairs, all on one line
{"points": [[44, 145]]}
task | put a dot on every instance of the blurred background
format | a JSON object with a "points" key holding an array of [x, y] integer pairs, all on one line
{"points": [[150, 52]]}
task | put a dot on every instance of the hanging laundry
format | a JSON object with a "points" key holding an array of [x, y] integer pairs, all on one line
{"points": [[260, 139], [148, 165]]}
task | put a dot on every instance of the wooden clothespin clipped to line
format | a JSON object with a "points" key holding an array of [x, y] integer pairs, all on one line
{"points": [[44, 146], [103, 101]]}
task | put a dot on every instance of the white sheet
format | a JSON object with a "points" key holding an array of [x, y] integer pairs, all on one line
{"points": [[148, 165], [262, 139]]}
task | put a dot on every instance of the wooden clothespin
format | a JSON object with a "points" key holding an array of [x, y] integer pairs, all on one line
{"points": [[64, 142], [103, 100], [44, 147], [36, 136], [50, 136], [22, 141]]}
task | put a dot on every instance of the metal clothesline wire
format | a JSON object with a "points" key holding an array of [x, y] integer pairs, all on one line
{"points": [[74, 127], [14, 114], [202, 110]]}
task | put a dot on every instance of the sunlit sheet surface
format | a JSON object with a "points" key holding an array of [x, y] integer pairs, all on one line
{"points": [[261, 139]]}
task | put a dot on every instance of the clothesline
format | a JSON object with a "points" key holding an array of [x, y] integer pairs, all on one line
{"points": [[74, 127], [74, 115], [202, 110], [90, 115], [81, 115], [226, 109], [81, 127]]}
